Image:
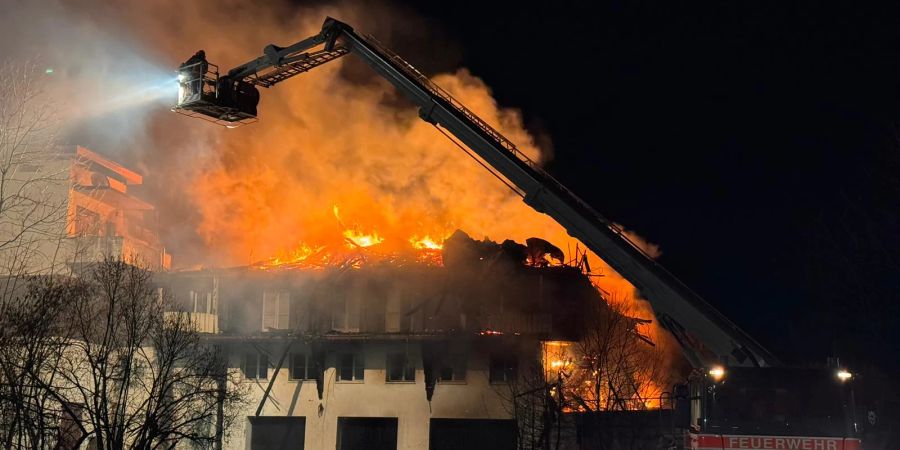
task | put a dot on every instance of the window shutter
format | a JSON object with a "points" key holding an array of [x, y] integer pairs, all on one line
{"points": [[346, 367], [249, 365], [269, 311], [284, 302], [410, 370], [358, 366], [263, 366], [299, 370]]}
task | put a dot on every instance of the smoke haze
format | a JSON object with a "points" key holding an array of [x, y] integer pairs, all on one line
{"points": [[338, 136]]}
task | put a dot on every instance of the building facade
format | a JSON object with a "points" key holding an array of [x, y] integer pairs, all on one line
{"points": [[386, 357], [104, 219]]}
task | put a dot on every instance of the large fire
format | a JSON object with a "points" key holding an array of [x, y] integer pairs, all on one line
{"points": [[355, 237], [265, 195], [426, 243], [360, 245]]}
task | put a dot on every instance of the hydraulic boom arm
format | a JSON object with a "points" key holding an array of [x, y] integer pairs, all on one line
{"points": [[706, 335]]}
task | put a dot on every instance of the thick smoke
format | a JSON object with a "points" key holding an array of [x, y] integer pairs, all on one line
{"points": [[328, 138], [104, 82], [338, 136]]}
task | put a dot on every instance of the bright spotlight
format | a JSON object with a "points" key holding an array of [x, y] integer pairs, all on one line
{"points": [[844, 375], [182, 77], [717, 373]]}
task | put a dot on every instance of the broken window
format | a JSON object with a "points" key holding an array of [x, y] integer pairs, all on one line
{"points": [[350, 367], [400, 367], [276, 310], [301, 369], [452, 368], [255, 366], [503, 368]]}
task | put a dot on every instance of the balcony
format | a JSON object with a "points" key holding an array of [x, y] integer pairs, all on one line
{"points": [[202, 322]]}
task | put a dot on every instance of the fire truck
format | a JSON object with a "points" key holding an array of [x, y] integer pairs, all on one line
{"points": [[739, 394]]}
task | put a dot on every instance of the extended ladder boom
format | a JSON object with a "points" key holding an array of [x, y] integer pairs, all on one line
{"points": [[706, 335]]}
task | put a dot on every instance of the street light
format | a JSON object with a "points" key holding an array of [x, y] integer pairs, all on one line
{"points": [[717, 373], [844, 375]]}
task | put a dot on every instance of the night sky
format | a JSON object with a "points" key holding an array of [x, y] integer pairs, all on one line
{"points": [[756, 143]]}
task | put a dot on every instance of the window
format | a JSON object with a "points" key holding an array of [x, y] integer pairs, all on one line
{"points": [[346, 314], [400, 368], [87, 222], [472, 434], [301, 367], [503, 368], [369, 433], [202, 302], [452, 368], [274, 433], [350, 367], [398, 315], [276, 310], [256, 366], [69, 432]]}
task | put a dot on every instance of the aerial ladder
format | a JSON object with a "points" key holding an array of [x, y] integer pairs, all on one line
{"points": [[707, 337], [710, 342]]}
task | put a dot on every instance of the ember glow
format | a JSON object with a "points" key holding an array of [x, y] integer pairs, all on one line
{"points": [[360, 245], [426, 243], [355, 237]]}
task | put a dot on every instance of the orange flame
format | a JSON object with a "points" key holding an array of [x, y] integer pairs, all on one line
{"points": [[250, 191], [361, 239], [426, 243], [355, 237], [299, 256]]}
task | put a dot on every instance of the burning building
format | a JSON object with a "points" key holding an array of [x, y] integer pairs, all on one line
{"points": [[390, 352], [69, 205], [91, 214], [104, 219]]}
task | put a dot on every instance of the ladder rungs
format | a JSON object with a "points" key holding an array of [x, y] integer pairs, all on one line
{"points": [[288, 70]]}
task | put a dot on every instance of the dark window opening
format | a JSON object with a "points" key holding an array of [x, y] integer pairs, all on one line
{"points": [[69, 432], [503, 368], [472, 434], [375, 433], [301, 369], [277, 433], [255, 366], [400, 368], [350, 367], [452, 368]]}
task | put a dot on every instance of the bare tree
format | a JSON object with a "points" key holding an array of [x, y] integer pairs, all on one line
{"points": [[140, 372], [114, 363], [34, 177], [615, 366], [31, 343], [526, 395], [104, 355], [33, 210]]}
